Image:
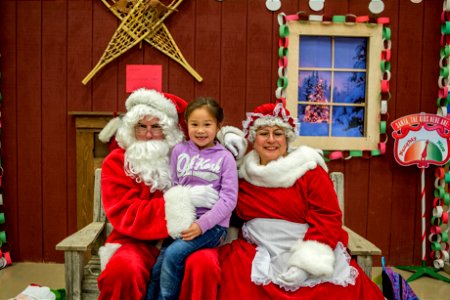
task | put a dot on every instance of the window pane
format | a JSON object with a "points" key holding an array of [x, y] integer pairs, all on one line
{"points": [[350, 53], [315, 52], [314, 120], [348, 121], [349, 87], [314, 86], [329, 92]]}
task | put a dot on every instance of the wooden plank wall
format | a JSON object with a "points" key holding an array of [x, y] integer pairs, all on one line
{"points": [[48, 47]]}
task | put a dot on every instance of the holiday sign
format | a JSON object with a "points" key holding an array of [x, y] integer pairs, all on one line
{"points": [[421, 139]]}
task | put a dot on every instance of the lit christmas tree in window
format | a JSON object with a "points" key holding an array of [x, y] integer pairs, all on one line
{"points": [[317, 113]]}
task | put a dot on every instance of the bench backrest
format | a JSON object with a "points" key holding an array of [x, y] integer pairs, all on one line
{"points": [[99, 212], [338, 181]]}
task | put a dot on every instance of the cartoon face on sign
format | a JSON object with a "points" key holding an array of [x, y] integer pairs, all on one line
{"points": [[421, 139]]}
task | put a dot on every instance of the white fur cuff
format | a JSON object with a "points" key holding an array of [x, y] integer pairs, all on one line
{"points": [[105, 252], [180, 212], [313, 257]]}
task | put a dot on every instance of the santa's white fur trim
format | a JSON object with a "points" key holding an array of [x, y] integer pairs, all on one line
{"points": [[155, 100], [313, 257], [110, 129], [105, 252], [180, 212], [283, 172]]}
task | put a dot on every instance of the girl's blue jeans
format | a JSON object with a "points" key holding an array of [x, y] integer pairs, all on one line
{"points": [[167, 273]]}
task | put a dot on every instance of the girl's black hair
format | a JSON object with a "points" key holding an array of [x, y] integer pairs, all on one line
{"points": [[211, 105]]}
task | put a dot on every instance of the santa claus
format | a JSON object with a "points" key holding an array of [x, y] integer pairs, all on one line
{"points": [[136, 187]]}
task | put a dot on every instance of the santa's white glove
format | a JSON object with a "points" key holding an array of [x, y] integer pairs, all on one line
{"points": [[293, 276], [204, 196], [235, 143]]}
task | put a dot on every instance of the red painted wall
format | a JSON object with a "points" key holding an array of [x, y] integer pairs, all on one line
{"points": [[48, 47]]}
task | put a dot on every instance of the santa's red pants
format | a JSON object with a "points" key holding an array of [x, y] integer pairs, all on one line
{"points": [[128, 271]]}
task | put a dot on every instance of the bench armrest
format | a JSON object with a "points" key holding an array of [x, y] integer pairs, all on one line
{"points": [[358, 245], [83, 239]]}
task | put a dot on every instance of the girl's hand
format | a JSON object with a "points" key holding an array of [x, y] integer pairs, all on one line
{"points": [[192, 232]]}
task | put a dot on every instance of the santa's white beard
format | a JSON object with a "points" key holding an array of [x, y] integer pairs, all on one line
{"points": [[148, 162]]}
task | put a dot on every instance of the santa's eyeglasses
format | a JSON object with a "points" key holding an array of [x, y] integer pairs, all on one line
{"points": [[155, 129]]}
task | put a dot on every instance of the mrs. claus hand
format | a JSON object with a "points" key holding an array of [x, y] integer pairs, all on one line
{"points": [[236, 144], [293, 276]]}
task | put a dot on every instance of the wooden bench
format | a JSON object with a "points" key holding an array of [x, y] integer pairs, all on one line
{"points": [[358, 247], [82, 246]]}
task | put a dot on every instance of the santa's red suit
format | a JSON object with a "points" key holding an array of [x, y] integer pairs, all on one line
{"points": [[133, 178], [138, 219]]}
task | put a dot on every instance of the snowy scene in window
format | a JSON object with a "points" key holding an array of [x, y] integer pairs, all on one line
{"points": [[336, 64]]}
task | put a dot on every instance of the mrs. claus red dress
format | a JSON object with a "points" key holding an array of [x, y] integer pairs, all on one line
{"points": [[294, 188]]}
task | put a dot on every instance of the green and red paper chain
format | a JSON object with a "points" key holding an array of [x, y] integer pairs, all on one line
{"points": [[5, 257], [439, 238]]}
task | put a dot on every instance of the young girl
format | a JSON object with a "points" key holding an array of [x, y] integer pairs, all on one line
{"points": [[199, 161]]}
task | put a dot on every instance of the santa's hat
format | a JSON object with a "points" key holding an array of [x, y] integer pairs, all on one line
{"points": [[142, 103], [157, 101], [110, 129], [270, 114]]}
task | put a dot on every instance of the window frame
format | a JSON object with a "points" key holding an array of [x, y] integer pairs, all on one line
{"points": [[373, 33]]}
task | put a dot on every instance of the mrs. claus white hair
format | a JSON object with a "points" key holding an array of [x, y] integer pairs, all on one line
{"points": [[270, 115]]}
